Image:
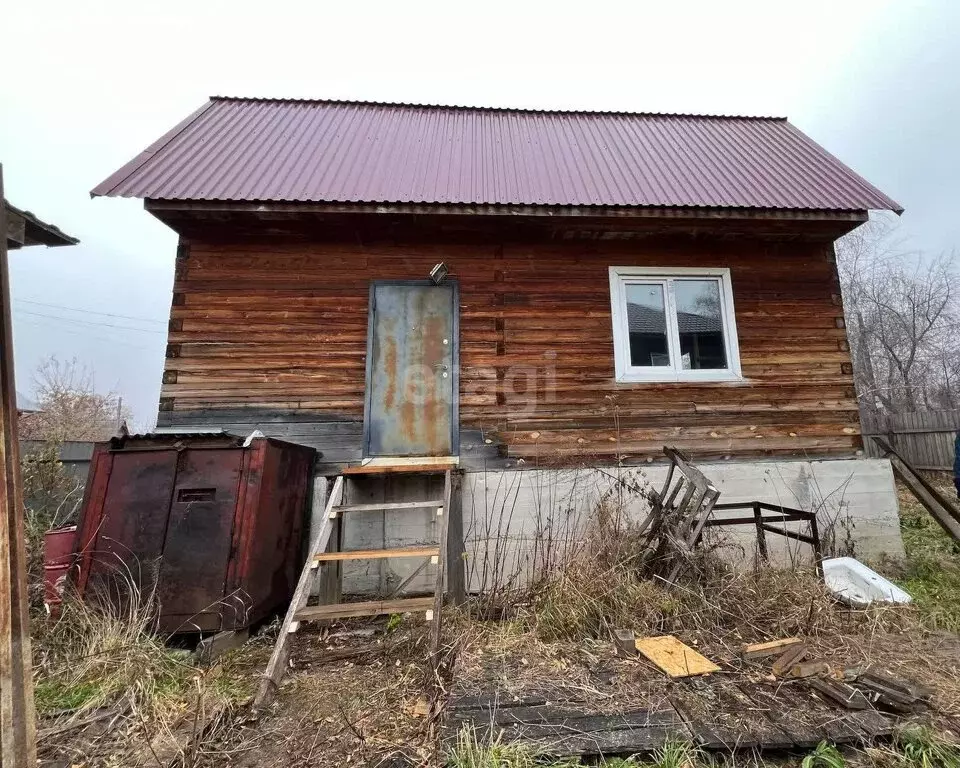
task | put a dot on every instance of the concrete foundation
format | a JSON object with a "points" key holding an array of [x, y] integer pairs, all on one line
{"points": [[517, 523]]}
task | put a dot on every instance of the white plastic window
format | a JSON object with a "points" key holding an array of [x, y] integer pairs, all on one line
{"points": [[674, 325]]}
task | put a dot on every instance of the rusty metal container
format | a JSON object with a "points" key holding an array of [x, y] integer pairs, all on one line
{"points": [[209, 528], [57, 559]]}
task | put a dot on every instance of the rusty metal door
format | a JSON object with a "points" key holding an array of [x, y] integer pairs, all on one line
{"points": [[412, 370], [198, 539]]}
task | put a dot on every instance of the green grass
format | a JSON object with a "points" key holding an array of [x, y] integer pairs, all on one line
{"points": [[826, 755], [63, 695], [922, 748], [931, 571]]}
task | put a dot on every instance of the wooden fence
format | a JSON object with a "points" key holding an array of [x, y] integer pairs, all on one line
{"points": [[924, 439]]}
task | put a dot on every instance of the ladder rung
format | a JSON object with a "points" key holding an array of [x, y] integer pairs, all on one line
{"points": [[376, 554], [434, 468], [372, 608], [388, 506]]}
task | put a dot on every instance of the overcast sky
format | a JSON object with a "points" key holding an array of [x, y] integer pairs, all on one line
{"points": [[88, 85]]}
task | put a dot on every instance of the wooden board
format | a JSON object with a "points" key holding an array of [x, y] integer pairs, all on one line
{"points": [[377, 554], [715, 714], [675, 658], [367, 608], [761, 650]]}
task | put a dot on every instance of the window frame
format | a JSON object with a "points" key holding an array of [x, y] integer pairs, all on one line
{"points": [[620, 277]]}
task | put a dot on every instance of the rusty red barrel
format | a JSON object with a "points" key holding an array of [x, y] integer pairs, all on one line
{"points": [[57, 559]]}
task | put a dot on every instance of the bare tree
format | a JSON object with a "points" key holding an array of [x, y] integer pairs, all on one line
{"points": [[70, 408], [903, 313]]}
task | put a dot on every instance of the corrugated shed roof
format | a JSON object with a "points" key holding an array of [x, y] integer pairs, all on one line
{"points": [[362, 152]]}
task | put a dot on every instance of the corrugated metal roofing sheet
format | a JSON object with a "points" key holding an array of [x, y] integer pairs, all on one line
{"points": [[361, 152]]}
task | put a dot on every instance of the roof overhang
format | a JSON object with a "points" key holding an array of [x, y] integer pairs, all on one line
{"points": [[24, 229], [193, 218]]}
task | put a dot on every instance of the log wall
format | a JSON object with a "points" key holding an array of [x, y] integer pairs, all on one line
{"points": [[275, 334]]}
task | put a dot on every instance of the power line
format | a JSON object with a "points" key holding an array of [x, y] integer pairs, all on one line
{"points": [[90, 311], [76, 321], [87, 335]]}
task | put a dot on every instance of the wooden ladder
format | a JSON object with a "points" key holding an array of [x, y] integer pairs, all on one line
{"points": [[436, 554]]}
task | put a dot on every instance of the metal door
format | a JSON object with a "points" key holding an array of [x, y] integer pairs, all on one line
{"points": [[412, 376], [198, 538], [126, 549]]}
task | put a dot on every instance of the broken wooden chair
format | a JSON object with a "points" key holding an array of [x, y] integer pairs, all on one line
{"points": [[688, 505], [677, 517]]}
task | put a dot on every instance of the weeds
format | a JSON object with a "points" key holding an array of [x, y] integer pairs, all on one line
{"points": [[95, 654], [470, 752], [931, 571], [602, 588], [676, 754], [99, 657], [826, 755], [922, 748]]}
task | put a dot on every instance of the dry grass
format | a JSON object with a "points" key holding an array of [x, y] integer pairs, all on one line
{"points": [[109, 689]]}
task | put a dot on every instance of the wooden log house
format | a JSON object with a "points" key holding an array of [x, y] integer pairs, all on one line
{"points": [[613, 283]]}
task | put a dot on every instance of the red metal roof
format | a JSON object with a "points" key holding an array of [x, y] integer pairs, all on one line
{"points": [[361, 152]]}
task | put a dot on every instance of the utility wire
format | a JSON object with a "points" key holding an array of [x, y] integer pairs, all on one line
{"points": [[76, 321], [90, 311], [85, 334]]}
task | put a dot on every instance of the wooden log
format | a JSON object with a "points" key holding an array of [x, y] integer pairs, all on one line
{"points": [[809, 669]]}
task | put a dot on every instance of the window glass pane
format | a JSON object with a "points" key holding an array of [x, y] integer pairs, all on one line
{"points": [[647, 323], [701, 324]]}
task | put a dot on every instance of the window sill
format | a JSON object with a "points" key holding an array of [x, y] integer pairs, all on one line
{"points": [[675, 378]]}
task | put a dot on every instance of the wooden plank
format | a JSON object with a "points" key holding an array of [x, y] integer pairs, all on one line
{"points": [[559, 741], [376, 554], [456, 565], [673, 657], [496, 700], [904, 687], [440, 586], [377, 469], [18, 737], [366, 608], [281, 651], [793, 655], [388, 506], [840, 693], [762, 650], [933, 503], [582, 717]]}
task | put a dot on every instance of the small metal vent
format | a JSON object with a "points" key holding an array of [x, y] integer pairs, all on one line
{"points": [[196, 494]]}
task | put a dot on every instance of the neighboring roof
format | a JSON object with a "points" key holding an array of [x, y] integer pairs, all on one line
{"points": [[26, 404], [361, 152], [25, 229], [643, 319]]}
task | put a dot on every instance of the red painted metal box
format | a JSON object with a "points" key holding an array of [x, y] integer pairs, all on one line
{"points": [[208, 528]]}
